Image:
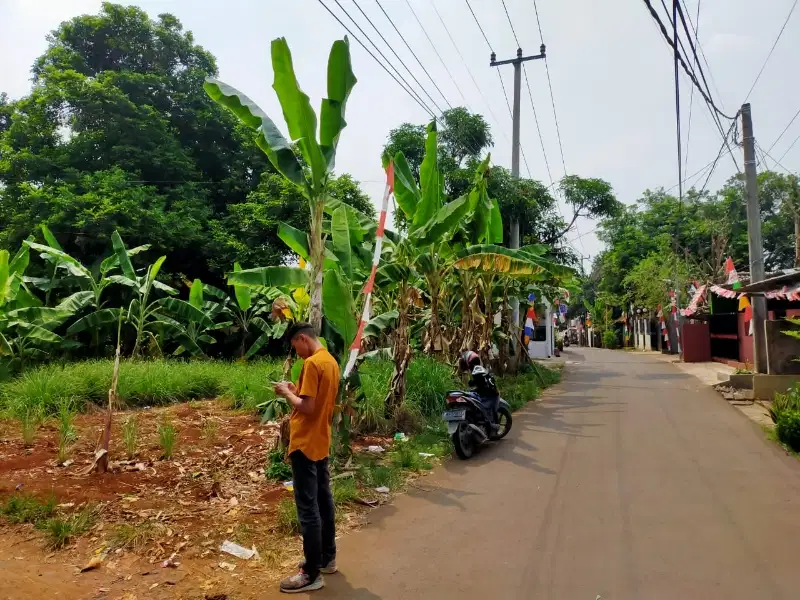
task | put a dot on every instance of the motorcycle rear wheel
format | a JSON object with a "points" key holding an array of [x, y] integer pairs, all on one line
{"points": [[464, 441]]}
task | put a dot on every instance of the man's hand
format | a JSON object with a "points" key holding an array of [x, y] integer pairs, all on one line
{"points": [[285, 388]]}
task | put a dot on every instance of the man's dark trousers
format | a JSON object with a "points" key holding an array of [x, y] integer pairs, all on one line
{"points": [[312, 495]]}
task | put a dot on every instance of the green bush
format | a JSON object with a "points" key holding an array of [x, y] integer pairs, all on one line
{"points": [[520, 389], [610, 339], [60, 531], [784, 402], [277, 469], [22, 508], [788, 429]]}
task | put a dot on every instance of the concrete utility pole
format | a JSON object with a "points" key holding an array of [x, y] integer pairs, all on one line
{"points": [[755, 245], [514, 226]]}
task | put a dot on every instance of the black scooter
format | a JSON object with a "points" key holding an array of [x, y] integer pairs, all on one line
{"points": [[468, 425]]}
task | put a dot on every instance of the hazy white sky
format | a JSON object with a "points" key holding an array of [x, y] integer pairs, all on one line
{"points": [[611, 72]]}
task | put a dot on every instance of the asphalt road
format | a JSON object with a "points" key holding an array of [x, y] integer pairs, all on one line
{"points": [[629, 480]]}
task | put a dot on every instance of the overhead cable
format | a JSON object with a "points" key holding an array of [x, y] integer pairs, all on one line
{"points": [[777, 39]]}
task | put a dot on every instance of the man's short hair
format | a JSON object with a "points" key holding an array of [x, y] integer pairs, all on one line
{"points": [[301, 327]]}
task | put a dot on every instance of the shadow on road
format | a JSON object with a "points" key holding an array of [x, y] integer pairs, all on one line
{"points": [[337, 586]]}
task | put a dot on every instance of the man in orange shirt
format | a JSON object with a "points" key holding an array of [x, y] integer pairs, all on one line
{"points": [[312, 400]]}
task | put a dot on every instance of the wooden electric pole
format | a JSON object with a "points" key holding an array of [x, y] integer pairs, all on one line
{"points": [[754, 243]]}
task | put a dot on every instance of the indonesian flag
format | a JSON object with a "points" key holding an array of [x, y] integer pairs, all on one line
{"points": [[733, 276]]}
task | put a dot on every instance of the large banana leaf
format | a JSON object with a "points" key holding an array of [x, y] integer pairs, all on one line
{"points": [[196, 294], [338, 306], [340, 232], [489, 258], [39, 315], [95, 320], [243, 296], [163, 287], [495, 224], [5, 288], [35, 332], [77, 301], [152, 272], [20, 262], [294, 238], [379, 323], [359, 224], [50, 238], [430, 179], [446, 219], [113, 261], [406, 191], [72, 264], [390, 274], [340, 83], [269, 277], [122, 256], [297, 112], [269, 138], [5, 347], [185, 311]]}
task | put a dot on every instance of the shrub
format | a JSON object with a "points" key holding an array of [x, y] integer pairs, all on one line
{"points": [[788, 429], [167, 437], [30, 417], [277, 469], [610, 339], [376, 475], [21, 508], [784, 402]]}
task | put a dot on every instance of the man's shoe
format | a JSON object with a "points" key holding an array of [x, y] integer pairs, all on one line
{"points": [[297, 584], [328, 569]]}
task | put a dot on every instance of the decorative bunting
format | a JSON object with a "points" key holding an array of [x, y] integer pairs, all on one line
{"points": [[733, 276]]}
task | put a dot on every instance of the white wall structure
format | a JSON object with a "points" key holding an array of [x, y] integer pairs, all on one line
{"points": [[545, 348]]}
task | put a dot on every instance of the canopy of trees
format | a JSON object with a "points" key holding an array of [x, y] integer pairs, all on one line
{"points": [[118, 134]]}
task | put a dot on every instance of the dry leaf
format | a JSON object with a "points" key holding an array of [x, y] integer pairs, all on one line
{"points": [[95, 562]]}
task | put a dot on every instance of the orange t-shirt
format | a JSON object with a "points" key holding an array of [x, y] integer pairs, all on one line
{"points": [[319, 379]]}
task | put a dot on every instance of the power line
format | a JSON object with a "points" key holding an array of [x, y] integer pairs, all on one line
{"points": [[716, 160], [538, 130], [441, 60], [510, 22], [425, 108], [466, 66], [696, 29], [677, 96], [378, 50], [479, 25], [797, 139], [550, 85], [511, 114], [772, 159], [691, 75], [784, 130], [419, 62], [397, 56], [777, 39]]}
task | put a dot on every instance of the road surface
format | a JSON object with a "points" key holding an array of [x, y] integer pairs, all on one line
{"points": [[629, 480]]}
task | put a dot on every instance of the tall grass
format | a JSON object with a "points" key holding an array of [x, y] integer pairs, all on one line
{"points": [[141, 383]]}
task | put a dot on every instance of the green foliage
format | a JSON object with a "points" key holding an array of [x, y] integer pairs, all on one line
{"points": [[30, 417], [520, 389], [22, 508], [60, 531], [277, 468], [610, 339], [787, 429], [286, 517], [167, 438], [782, 403], [66, 427], [130, 435], [344, 491]]}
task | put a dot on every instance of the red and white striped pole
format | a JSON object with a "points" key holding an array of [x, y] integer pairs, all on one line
{"points": [[355, 347]]}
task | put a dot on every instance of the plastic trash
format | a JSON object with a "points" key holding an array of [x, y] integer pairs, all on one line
{"points": [[376, 449], [382, 490], [237, 550], [289, 485], [425, 454], [400, 437]]}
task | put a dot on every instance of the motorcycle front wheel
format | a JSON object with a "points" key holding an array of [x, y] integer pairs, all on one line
{"points": [[464, 441], [503, 423]]}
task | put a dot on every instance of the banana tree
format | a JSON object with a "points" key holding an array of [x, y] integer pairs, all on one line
{"points": [[26, 327], [246, 313], [311, 171], [92, 283]]}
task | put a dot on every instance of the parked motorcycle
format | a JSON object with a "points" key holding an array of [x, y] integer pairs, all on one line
{"points": [[468, 425]]}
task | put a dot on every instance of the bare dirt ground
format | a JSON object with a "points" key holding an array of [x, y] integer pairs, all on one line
{"points": [[150, 510]]}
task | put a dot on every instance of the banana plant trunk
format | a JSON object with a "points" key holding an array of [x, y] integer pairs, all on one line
{"points": [[316, 258], [505, 318], [435, 344], [402, 355]]}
